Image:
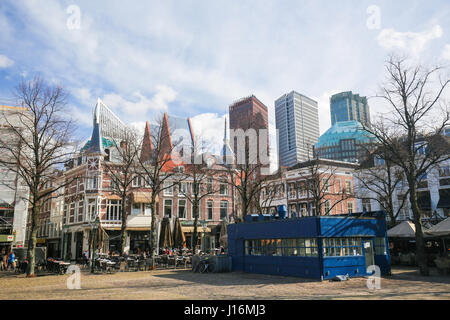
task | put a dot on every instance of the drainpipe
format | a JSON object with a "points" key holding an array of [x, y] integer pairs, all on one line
{"points": [[319, 246]]}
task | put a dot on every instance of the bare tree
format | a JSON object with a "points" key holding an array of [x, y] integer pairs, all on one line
{"points": [[246, 174], [268, 192], [202, 176], [158, 170], [411, 133], [122, 167], [381, 183], [322, 186], [38, 141]]}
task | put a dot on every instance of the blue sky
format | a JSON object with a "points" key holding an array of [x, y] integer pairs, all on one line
{"points": [[194, 58]]}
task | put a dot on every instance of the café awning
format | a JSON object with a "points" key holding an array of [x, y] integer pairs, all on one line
{"points": [[113, 197], [440, 229], [190, 229], [406, 229], [142, 197]]}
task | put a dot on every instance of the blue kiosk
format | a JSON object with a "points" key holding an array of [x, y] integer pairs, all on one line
{"points": [[319, 247]]}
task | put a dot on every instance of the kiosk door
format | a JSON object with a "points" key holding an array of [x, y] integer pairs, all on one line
{"points": [[368, 252]]}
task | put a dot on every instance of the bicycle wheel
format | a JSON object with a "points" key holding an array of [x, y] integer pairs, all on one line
{"points": [[203, 267], [212, 267]]}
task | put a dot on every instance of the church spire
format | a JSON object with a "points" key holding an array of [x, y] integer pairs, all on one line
{"points": [[147, 145], [96, 145]]}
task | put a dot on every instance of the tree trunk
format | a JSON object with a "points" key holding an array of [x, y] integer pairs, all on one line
{"points": [[420, 244], [153, 239], [195, 233], [123, 229], [31, 253]]}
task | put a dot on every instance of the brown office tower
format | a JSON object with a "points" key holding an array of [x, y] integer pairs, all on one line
{"points": [[250, 113]]}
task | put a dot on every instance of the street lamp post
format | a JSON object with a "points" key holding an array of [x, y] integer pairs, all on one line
{"points": [[64, 242], [203, 222], [94, 245]]}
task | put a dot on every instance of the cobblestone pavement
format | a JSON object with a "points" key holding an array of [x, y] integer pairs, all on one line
{"points": [[405, 283]]}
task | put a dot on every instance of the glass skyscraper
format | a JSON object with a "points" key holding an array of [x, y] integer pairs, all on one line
{"points": [[346, 106], [297, 122]]}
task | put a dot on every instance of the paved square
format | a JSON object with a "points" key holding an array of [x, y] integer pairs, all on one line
{"points": [[405, 283]]}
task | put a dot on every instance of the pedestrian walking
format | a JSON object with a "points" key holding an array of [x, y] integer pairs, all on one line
{"points": [[11, 260]]}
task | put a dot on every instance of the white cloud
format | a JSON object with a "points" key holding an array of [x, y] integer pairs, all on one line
{"points": [[323, 103], [446, 52], [5, 62], [411, 42], [81, 116], [139, 104], [209, 127]]}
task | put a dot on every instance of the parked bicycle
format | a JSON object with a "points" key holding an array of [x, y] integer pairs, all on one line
{"points": [[206, 266]]}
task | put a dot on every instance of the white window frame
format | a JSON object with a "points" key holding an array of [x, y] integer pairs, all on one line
{"points": [[168, 191], [212, 210], [226, 212], [185, 209], [171, 208]]}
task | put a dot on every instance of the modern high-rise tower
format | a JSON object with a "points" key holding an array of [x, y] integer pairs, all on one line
{"points": [[346, 106], [297, 122], [250, 113]]}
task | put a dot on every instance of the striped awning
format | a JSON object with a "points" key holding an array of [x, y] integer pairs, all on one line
{"points": [[142, 197], [113, 197]]}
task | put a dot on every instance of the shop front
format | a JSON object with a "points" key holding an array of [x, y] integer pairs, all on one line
{"points": [[311, 247], [139, 241], [206, 238]]}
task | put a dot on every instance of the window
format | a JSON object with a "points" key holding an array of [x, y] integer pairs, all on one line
{"points": [[338, 247], [137, 207], [195, 188], [169, 190], [380, 246], [209, 185], [90, 212], [66, 214], [182, 208], [168, 208], [209, 208], [148, 209], [136, 182], [114, 210], [223, 188], [301, 247], [337, 186], [325, 185], [348, 187], [326, 207], [72, 212], [292, 191], [93, 183], [350, 207], [366, 205], [183, 189], [223, 209], [80, 211], [115, 183]]}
